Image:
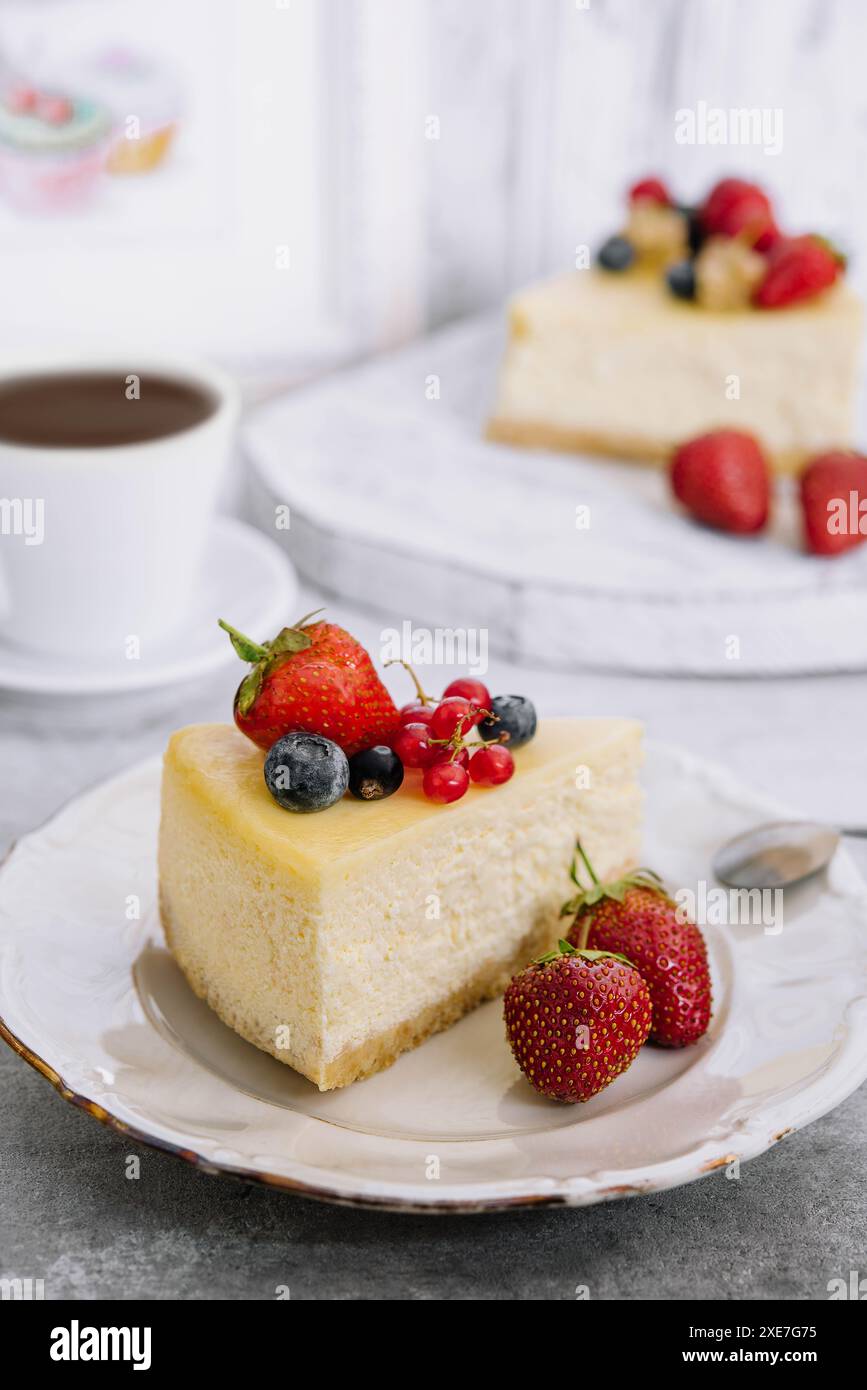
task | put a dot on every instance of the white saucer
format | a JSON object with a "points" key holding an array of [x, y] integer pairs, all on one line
{"points": [[246, 576]]}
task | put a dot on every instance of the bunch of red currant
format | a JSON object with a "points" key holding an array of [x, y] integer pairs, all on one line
{"points": [[434, 737]]}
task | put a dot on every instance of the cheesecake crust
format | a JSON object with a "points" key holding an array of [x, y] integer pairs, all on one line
{"points": [[536, 434]]}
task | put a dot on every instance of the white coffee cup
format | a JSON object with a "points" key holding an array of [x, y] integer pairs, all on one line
{"points": [[102, 546]]}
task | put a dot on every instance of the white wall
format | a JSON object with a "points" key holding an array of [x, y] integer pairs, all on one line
{"points": [[419, 157], [548, 111], [184, 257]]}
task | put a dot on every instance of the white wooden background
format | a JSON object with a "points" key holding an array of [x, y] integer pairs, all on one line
{"points": [[546, 110], [308, 126]]}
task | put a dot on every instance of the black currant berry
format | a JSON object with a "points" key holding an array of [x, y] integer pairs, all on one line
{"points": [[375, 773]]}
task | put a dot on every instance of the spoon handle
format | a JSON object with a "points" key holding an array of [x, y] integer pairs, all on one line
{"points": [[858, 831]]}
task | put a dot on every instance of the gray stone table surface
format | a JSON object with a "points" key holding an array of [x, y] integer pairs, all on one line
{"points": [[69, 1215]]}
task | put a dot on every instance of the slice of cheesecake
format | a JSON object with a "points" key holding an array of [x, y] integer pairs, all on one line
{"points": [[615, 364], [336, 941]]}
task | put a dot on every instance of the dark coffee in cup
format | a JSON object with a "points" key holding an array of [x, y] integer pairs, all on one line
{"points": [[93, 410]]}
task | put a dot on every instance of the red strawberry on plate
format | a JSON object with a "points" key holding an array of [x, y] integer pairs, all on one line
{"points": [[834, 502], [723, 479], [575, 1020], [737, 208], [316, 678], [798, 268], [635, 917], [652, 188]]}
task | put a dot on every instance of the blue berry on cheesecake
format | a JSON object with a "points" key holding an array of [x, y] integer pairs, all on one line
{"points": [[306, 772], [513, 716], [375, 773], [681, 279], [617, 253]]}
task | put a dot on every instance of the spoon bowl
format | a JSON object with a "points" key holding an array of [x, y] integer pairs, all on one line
{"points": [[775, 855]]}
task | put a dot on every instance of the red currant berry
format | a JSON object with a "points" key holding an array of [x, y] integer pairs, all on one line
{"points": [[492, 766], [471, 690], [445, 782], [21, 98], [416, 714], [448, 755], [450, 714], [411, 745], [55, 110]]}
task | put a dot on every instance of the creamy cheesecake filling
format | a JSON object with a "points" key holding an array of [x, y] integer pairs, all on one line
{"points": [[424, 924], [337, 940], [244, 929], [616, 363]]}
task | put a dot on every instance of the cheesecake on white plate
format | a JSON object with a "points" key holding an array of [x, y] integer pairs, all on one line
{"points": [[337, 941], [695, 319], [615, 364]]}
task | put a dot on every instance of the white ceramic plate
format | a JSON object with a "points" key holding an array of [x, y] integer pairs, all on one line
{"points": [[393, 491], [244, 574], [90, 998]]}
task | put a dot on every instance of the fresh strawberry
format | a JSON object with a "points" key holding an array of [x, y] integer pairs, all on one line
{"points": [[834, 502], [654, 189], [798, 268], [635, 917], [316, 678], [575, 1020], [736, 208], [723, 479]]}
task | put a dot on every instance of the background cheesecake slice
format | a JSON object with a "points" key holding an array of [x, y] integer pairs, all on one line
{"points": [[615, 364], [336, 941]]}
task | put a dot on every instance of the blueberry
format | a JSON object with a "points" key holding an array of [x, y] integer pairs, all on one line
{"points": [[306, 772], [695, 230], [516, 717], [616, 253], [374, 773], [681, 279]]}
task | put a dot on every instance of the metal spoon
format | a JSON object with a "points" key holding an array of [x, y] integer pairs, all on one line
{"points": [[775, 855]]}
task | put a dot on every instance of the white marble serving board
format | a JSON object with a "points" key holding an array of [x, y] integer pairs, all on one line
{"points": [[397, 501]]}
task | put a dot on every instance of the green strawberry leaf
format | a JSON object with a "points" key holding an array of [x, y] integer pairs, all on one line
{"points": [[604, 955], [588, 897], [565, 948], [833, 251], [247, 649], [264, 657], [289, 639], [305, 621], [249, 689]]}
